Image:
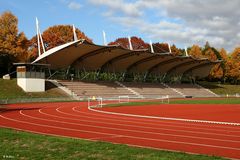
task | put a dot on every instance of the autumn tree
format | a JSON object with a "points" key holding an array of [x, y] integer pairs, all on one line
{"points": [[219, 70], [137, 43], [196, 52], [55, 36], [210, 54], [176, 51], [236, 54], [229, 67], [223, 53], [233, 67], [216, 72], [12, 42], [160, 47]]}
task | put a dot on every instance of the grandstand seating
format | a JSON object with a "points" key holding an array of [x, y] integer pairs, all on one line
{"points": [[192, 90], [103, 89], [151, 89], [133, 89]]}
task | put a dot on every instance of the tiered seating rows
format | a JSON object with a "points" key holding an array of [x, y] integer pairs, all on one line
{"points": [[111, 89], [151, 89], [103, 89], [192, 90]]}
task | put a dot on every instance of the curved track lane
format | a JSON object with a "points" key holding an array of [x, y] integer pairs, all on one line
{"points": [[75, 120]]}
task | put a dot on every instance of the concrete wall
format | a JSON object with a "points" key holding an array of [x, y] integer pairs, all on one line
{"points": [[31, 84]]}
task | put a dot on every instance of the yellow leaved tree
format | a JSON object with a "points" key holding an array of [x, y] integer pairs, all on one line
{"points": [[12, 42]]}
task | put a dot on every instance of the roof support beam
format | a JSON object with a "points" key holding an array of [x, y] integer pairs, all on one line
{"points": [[93, 53], [162, 63], [199, 66], [142, 61], [181, 65], [118, 58]]}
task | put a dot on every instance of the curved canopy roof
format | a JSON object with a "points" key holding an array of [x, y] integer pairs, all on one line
{"points": [[81, 54]]}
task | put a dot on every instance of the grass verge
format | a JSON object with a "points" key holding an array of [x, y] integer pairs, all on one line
{"points": [[180, 101], [221, 89], [27, 146], [10, 90], [210, 101]]}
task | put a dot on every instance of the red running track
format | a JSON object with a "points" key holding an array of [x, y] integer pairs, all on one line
{"points": [[72, 119]]}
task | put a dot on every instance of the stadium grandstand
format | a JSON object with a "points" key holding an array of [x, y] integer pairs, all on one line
{"points": [[86, 69]]}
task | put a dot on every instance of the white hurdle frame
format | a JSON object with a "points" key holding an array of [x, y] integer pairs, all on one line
{"points": [[99, 101], [125, 97], [165, 97]]}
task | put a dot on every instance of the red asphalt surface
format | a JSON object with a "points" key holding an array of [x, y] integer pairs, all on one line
{"points": [[73, 119]]}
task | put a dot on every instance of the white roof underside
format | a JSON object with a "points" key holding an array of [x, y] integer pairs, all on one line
{"points": [[84, 55], [54, 50]]}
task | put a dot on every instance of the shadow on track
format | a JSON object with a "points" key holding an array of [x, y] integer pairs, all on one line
{"points": [[4, 109]]}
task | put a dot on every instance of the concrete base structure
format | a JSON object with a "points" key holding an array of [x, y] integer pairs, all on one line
{"points": [[31, 84], [31, 77]]}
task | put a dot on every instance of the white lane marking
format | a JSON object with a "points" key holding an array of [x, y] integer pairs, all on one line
{"points": [[106, 137], [141, 126], [44, 125], [130, 137], [222, 127], [129, 130], [166, 118], [173, 123], [44, 133], [140, 123]]}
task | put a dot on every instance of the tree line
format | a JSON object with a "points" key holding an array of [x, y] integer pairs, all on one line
{"points": [[16, 47]]}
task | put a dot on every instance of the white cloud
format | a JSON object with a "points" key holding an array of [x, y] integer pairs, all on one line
{"points": [[238, 35], [127, 21], [184, 22], [74, 6], [129, 9]]}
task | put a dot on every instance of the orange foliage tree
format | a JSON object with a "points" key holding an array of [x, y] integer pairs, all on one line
{"points": [[236, 54], [137, 43], [196, 52], [233, 67], [12, 43], [223, 54], [55, 36], [218, 71], [210, 54], [176, 51], [160, 47]]}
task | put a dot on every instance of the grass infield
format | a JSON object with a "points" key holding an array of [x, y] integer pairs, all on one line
{"points": [[207, 101], [27, 146], [180, 101]]}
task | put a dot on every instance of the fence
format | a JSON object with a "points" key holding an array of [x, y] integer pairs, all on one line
{"points": [[28, 100]]}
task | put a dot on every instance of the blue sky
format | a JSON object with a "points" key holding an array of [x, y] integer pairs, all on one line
{"points": [[86, 17], [53, 12], [182, 22]]}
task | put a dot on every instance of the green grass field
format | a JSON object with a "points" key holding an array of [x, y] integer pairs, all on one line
{"points": [[180, 101], [221, 89], [209, 101], [27, 146], [10, 90]]}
